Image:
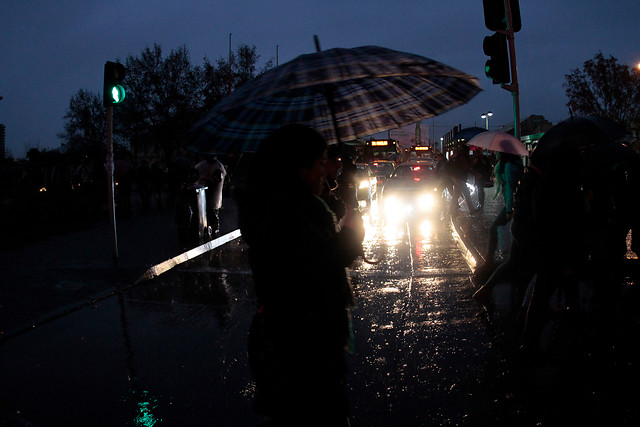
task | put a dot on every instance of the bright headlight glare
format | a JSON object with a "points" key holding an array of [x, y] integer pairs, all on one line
{"points": [[364, 184], [393, 207], [426, 201]]}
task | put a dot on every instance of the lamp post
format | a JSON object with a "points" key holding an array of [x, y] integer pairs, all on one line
{"points": [[486, 116]]}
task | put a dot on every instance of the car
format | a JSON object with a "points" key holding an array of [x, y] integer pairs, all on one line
{"points": [[411, 192], [366, 184], [382, 169]]}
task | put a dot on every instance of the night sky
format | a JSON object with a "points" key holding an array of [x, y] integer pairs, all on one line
{"points": [[52, 49]]}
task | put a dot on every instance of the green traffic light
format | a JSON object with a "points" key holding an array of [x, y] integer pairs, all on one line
{"points": [[117, 94], [113, 92]]}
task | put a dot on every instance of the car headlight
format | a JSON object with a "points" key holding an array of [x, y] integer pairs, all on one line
{"points": [[364, 184], [427, 201], [395, 208]]}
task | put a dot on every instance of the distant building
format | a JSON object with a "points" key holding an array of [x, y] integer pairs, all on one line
{"points": [[532, 125], [531, 129]]}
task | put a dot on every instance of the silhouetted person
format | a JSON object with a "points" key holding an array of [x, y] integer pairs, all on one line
{"points": [[481, 171], [298, 257], [211, 174], [507, 172], [458, 168]]}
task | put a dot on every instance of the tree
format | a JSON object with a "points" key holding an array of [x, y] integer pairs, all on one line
{"points": [[219, 78], [164, 97], [85, 126], [605, 88]]}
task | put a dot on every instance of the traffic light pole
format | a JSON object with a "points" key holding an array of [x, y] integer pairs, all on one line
{"points": [[513, 87], [109, 166]]}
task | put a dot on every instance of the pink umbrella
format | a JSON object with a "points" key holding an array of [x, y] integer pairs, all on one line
{"points": [[499, 141]]}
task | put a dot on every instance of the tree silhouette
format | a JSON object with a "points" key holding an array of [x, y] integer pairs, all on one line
{"points": [[603, 87]]}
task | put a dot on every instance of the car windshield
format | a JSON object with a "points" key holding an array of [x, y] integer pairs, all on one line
{"points": [[385, 168], [415, 172]]}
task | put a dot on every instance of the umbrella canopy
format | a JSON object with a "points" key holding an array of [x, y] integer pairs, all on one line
{"points": [[576, 134], [468, 133], [367, 89], [499, 141]]}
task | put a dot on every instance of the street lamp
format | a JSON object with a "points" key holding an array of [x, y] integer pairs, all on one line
{"points": [[486, 116]]}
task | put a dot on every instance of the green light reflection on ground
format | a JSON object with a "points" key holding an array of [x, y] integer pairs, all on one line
{"points": [[145, 417]]}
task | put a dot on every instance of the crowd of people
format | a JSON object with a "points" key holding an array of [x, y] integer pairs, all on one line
{"points": [[569, 206], [570, 213]]}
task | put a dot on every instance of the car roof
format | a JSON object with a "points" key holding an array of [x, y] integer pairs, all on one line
{"points": [[414, 163]]}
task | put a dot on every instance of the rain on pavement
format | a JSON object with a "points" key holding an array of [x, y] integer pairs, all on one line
{"points": [[172, 351]]}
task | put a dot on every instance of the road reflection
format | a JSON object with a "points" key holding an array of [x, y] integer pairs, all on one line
{"points": [[418, 347]]}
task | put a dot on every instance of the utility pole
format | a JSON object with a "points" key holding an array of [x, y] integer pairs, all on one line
{"points": [[513, 87], [503, 17], [112, 205], [113, 93], [229, 64]]}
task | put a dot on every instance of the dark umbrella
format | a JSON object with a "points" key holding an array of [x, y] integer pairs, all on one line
{"points": [[571, 135], [372, 89], [613, 130], [468, 133]]}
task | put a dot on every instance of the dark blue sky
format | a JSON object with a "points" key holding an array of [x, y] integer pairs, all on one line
{"points": [[51, 49]]}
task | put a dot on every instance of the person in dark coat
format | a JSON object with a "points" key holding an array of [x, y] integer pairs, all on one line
{"points": [[298, 257], [458, 168]]}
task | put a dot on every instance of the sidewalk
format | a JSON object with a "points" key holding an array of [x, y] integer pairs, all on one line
{"points": [[47, 278], [474, 229]]}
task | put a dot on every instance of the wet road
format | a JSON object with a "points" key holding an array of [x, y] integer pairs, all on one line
{"points": [[421, 350], [172, 351]]}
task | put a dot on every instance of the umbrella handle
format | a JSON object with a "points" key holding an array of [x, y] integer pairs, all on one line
{"points": [[329, 96]]}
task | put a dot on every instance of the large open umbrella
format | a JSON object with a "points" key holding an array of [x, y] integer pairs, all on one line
{"points": [[577, 134], [342, 93], [499, 141], [468, 133]]}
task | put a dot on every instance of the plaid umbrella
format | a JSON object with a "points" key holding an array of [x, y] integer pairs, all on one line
{"points": [[499, 141], [367, 89]]}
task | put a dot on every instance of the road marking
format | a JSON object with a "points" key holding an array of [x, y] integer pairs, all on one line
{"points": [[167, 265]]}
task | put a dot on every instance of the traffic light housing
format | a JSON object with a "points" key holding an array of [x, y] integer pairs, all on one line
{"points": [[497, 67], [113, 75], [495, 15]]}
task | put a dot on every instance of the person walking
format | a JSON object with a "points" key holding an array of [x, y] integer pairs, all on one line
{"points": [[458, 169], [211, 174], [481, 171], [508, 171], [298, 257]]}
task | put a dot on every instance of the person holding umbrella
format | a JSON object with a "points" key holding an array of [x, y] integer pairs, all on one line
{"points": [[298, 256], [211, 174], [508, 171]]}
